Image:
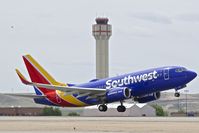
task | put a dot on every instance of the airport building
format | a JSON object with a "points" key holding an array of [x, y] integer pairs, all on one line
{"points": [[21, 111]]}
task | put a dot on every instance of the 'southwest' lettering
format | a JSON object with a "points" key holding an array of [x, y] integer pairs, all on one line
{"points": [[130, 80]]}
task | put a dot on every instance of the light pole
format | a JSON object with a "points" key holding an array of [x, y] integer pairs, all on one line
{"points": [[186, 91], [178, 104]]}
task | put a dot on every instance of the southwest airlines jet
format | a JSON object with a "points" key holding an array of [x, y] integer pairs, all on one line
{"points": [[142, 86]]}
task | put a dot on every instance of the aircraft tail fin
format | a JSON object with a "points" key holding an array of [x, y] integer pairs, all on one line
{"points": [[38, 74]]}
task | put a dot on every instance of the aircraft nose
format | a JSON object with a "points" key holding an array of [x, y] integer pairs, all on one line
{"points": [[191, 75]]}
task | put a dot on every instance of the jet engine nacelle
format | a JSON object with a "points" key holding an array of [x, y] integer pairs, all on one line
{"points": [[148, 98], [118, 94]]}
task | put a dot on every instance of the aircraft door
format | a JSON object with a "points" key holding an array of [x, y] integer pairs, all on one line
{"points": [[166, 74]]}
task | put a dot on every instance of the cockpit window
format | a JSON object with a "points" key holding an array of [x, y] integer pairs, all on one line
{"points": [[180, 69]]}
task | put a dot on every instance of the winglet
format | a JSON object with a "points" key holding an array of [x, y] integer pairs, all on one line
{"points": [[22, 78]]}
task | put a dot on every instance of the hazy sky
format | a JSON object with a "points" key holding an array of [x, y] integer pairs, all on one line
{"points": [[146, 33]]}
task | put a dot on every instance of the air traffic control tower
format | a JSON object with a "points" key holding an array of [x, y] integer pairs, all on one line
{"points": [[102, 32]]}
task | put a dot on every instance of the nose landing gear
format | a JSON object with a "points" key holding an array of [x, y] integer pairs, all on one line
{"points": [[177, 94]]}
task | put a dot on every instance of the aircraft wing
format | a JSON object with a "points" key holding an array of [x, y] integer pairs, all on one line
{"points": [[92, 92]]}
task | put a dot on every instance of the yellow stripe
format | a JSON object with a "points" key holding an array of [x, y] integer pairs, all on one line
{"points": [[68, 98]]}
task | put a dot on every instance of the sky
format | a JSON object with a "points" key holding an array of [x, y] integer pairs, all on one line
{"points": [[57, 33]]}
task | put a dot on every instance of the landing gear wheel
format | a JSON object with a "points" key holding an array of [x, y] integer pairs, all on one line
{"points": [[177, 94], [102, 108], [121, 108]]}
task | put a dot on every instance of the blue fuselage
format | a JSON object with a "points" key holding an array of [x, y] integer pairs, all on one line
{"points": [[146, 82]]}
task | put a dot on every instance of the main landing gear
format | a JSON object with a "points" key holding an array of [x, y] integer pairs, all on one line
{"points": [[102, 108], [120, 108]]}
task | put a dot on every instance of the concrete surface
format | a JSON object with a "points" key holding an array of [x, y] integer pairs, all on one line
{"points": [[99, 124]]}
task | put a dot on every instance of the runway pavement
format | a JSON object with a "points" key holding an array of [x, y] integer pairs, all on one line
{"points": [[99, 124]]}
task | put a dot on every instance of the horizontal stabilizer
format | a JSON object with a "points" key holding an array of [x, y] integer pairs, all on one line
{"points": [[25, 95], [68, 89], [22, 78]]}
